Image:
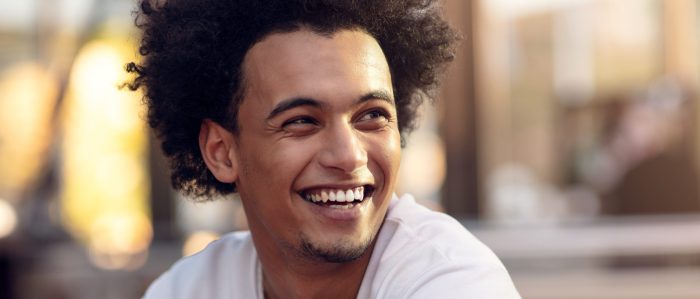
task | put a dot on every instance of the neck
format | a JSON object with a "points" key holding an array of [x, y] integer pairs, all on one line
{"points": [[286, 276]]}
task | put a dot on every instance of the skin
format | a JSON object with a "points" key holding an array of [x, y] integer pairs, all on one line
{"points": [[317, 113]]}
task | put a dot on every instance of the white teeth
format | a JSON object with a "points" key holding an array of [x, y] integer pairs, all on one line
{"points": [[341, 206], [340, 197], [349, 196]]}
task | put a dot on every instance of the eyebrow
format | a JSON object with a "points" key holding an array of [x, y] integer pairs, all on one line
{"points": [[292, 103], [376, 95], [296, 102]]}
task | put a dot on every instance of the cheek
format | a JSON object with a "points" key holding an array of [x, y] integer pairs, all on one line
{"points": [[387, 155], [279, 164], [268, 177], [394, 153]]}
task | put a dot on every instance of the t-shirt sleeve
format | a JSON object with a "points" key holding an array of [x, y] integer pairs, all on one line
{"points": [[452, 280], [225, 269], [161, 288]]}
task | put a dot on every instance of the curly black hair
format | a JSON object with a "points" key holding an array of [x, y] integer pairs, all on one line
{"points": [[193, 51]]}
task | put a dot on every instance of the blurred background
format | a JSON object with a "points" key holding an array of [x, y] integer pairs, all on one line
{"points": [[566, 138]]}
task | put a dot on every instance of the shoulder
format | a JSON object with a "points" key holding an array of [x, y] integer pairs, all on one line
{"points": [[208, 274], [426, 253], [412, 225]]}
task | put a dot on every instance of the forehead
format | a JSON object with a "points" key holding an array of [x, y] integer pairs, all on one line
{"points": [[305, 63]]}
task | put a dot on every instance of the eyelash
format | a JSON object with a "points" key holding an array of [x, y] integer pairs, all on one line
{"points": [[378, 113], [307, 120], [296, 120]]}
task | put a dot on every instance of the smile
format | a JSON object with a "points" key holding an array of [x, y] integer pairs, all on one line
{"points": [[339, 198]]}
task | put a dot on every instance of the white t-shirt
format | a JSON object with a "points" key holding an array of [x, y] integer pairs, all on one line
{"points": [[418, 254]]}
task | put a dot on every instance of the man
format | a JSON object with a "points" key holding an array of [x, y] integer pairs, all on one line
{"points": [[300, 107]]}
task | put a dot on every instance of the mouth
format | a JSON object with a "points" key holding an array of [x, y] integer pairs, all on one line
{"points": [[338, 198]]}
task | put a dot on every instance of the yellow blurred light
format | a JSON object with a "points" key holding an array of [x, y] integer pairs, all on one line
{"points": [[105, 200], [120, 240], [27, 99], [197, 241], [8, 218], [118, 261], [125, 233], [98, 71]]}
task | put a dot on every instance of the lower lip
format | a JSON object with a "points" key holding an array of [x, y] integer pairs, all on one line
{"points": [[340, 214]]}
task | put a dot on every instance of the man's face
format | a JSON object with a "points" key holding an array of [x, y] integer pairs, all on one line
{"points": [[317, 125]]}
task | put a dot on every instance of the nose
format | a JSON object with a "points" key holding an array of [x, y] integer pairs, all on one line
{"points": [[343, 149]]}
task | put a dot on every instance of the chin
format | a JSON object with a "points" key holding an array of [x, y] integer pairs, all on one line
{"points": [[340, 251]]}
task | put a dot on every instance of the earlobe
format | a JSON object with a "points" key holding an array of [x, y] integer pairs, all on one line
{"points": [[218, 151]]}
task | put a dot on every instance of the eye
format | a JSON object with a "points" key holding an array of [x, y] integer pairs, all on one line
{"points": [[374, 119], [374, 114], [300, 126], [298, 121]]}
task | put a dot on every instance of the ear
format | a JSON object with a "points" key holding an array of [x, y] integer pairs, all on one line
{"points": [[218, 151]]}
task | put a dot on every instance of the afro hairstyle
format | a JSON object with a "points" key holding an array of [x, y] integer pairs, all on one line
{"points": [[192, 54]]}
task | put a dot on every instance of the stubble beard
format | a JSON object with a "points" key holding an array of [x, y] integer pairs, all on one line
{"points": [[342, 251]]}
